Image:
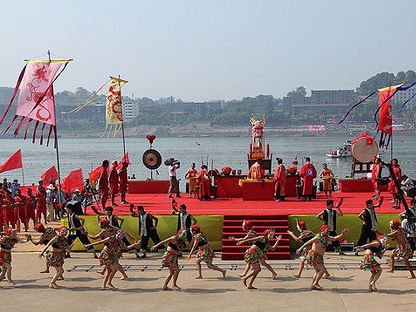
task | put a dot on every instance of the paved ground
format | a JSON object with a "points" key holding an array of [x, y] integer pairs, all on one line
{"points": [[346, 290]]}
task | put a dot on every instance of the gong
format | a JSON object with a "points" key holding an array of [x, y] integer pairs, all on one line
{"points": [[152, 159]]}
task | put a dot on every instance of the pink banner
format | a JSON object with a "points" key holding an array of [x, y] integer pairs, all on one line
{"points": [[37, 83]]}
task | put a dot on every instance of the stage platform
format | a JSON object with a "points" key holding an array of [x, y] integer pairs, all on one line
{"points": [[160, 204]]}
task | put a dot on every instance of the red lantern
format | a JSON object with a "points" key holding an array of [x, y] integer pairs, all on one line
{"points": [[151, 138]]}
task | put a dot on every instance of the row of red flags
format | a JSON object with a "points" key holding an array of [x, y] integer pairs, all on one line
{"points": [[74, 180]]}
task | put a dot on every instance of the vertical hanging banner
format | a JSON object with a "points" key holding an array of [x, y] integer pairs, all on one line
{"points": [[114, 105], [36, 99], [385, 122]]}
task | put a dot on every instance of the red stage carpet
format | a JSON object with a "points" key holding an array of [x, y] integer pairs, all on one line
{"points": [[160, 204]]}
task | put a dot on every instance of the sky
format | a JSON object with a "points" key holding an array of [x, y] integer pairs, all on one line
{"points": [[198, 50]]}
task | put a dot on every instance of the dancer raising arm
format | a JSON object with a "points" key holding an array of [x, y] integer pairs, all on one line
{"points": [[257, 253], [205, 252], [170, 258]]}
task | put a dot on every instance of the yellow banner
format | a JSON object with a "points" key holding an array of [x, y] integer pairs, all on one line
{"points": [[114, 107]]}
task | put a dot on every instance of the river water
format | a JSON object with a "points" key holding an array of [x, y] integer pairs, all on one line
{"points": [[217, 152]]}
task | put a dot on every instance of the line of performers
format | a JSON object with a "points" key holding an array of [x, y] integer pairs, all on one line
{"points": [[58, 243]]}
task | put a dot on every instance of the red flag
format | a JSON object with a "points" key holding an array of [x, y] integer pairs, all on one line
{"points": [[124, 159], [384, 99], [13, 162], [95, 174], [49, 175], [72, 181]]}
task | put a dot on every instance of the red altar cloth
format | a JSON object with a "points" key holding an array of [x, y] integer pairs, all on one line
{"points": [[257, 190], [142, 187], [358, 185], [291, 182], [227, 186]]}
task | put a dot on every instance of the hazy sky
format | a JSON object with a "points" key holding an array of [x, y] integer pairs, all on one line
{"points": [[206, 50]]}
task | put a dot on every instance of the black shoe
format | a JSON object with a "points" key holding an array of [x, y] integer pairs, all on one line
{"points": [[178, 196], [341, 253], [67, 255]]}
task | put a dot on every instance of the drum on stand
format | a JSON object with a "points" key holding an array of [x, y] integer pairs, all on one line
{"points": [[364, 152]]}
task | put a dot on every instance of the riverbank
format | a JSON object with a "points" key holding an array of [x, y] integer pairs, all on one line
{"points": [[208, 130]]}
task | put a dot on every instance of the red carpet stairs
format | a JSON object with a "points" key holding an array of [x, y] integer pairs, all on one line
{"points": [[232, 227]]}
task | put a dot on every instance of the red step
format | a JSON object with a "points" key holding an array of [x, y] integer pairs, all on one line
{"points": [[233, 227]]}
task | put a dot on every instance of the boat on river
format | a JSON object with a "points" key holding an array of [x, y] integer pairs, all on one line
{"points": [[340, 152]]}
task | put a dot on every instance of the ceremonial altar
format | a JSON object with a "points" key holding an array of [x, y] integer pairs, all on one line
{"points": [[257, 190]]}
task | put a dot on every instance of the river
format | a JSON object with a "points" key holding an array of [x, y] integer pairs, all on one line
{"points": [[217, 152]]}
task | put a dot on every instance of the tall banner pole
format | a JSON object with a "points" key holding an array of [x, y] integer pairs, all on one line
{"points": [[122, 116], [23, 177]]}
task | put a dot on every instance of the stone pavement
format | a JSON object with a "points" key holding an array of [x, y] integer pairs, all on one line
{"points": [[346, 290]]}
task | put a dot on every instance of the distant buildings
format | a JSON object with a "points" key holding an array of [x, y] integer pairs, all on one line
{"points": [[328, 101]]}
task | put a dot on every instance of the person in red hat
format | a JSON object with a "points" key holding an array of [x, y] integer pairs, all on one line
{"points": [[247, 227], [46, 235], [403, 249], [256, 254], [369, 263], [56, 257], [7, 242], [315, 256], [304, 236], [205, 252], [176, 244]]}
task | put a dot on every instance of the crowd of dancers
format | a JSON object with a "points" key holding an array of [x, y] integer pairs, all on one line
{"points": [[59, 241]]}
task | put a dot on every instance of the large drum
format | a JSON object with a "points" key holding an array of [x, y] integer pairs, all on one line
{"points": [[364, 149]]}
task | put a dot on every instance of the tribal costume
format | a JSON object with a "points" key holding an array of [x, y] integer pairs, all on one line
{"points": [[170, 259], [57, 258], [257, 252], [6, 244], [307, 235], [205, 252], [313, 258], [403, 250], [112, 251]]}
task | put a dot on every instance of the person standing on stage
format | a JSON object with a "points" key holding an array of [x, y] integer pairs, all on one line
{"points": [[123, 181], [103, 183], [326, 175], [370, 224], [307, 173], [173, 181], [147, 229], [376, 176], [185, 220], [30, 208], [113, 181], [397, 171], [329, 217], [280, 181], [204, 182], [190, 175]]}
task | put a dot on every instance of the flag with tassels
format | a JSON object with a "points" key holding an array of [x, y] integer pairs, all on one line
{"points": [[36, 103], [113, 106]]}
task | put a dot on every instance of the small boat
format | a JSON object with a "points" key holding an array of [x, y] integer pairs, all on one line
{"points": [[342, 151]]}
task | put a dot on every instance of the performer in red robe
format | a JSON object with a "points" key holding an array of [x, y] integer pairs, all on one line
{"points": [[40, 195], [204, 182], [103, 183], [308, 173], [113, 180], [280, 181], [19, 208], [398, 174], [123, 181], [30, 208]]}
